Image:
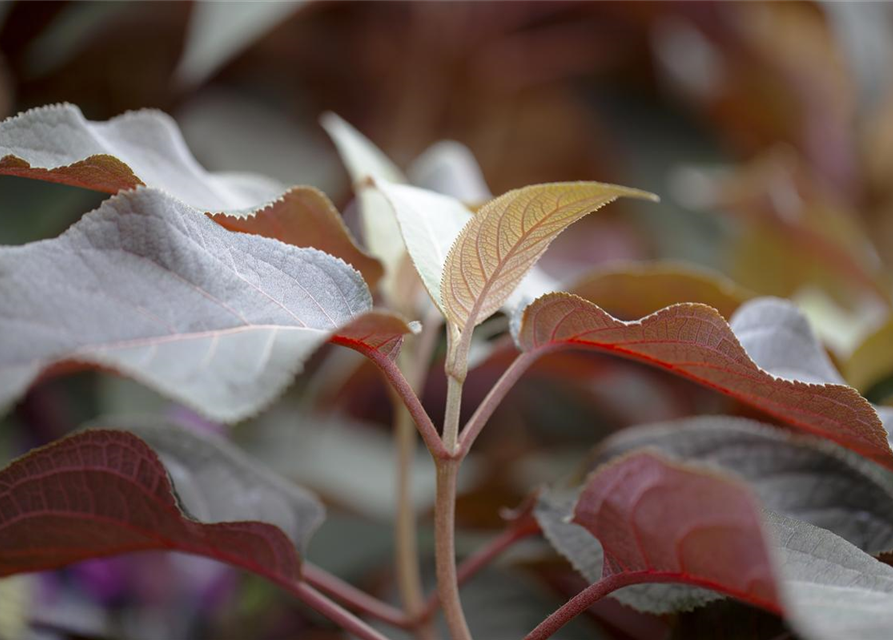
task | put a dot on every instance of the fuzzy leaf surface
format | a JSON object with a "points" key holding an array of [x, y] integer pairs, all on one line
{"points": [[801, 477], [655, 518], [305, 217], [153, 289], [58, 144], [507, 236], [101, 493], [694, 341], [216, 482]]}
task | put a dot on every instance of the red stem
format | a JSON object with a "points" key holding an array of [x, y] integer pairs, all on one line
{"points": [[404, 390], [493, 399], [594, 592], [354, 598], [334, 612], [481, 558]]}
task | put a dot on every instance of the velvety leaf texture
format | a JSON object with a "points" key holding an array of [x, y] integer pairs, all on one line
{"points": [[802, 477], [216, 482], [505, 239], [57, 144], [832, 590], [100, 493], [305, 217], [661, 521], [694, 341], [553, 512], [653, 517], [153, 289]]}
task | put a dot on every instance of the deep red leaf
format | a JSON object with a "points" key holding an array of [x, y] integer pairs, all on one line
{"points": [[656, 518], [100, 493]]}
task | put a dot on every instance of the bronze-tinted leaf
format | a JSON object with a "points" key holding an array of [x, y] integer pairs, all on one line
{"points": [[694, 341], [305, 217], [507, 236]]}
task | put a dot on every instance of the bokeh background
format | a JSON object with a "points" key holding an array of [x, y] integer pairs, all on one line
{"points": [[766, 128]]}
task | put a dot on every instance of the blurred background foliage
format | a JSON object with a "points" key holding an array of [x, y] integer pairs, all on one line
{"points": [[767, 128]]}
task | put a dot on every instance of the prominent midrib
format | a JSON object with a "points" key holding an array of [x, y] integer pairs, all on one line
{"points": [[86, 350]]}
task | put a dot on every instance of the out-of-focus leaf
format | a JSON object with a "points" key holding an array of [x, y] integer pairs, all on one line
{"points": [[505, 239], [633, 290], [58, 144], [102, 493], [152, 288], [219, 31], [348, 464], [801, 477], [305, 217], [365, 161], [450, 168], [16, 604], [794, 231], [216, 482], [694, 341], [871, 363]]}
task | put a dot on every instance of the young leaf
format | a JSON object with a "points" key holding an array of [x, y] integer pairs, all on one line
{"points": [[58, 144], [305, 217], [656, 520], [449, 167], [629, 291], [219, 32], [101, 493], [694, 341], [802, 477], [153, 289], [429, 223], [365, 161], [505, 239], [208, 472]]}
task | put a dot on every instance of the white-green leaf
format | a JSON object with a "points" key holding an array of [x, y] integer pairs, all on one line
{"points": [[57, 143], [429, 223], [154, 289], [365, 161]]}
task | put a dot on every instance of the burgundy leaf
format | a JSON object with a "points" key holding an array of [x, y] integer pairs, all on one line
{"points": [[100, 493], [657, 519]]}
